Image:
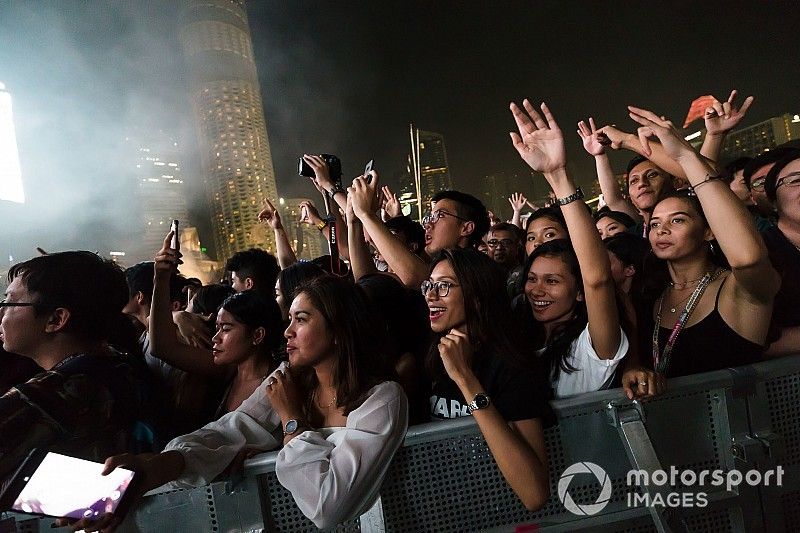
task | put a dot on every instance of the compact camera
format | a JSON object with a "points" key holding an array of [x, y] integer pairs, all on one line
{"points": [[334, 167]]}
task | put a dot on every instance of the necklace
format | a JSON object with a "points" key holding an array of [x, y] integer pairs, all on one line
{"points": [[661, 360], [674, 308], [324, 406], [685, 284]]}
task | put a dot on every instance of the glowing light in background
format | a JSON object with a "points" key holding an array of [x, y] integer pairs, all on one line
{"points": [[10, 173]]}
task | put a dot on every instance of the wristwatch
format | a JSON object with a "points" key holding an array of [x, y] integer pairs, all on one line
{"points": [[480, 401], [577, 195], [291, 427], [321, 224]]}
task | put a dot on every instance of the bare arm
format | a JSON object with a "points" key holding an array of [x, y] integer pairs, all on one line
{"points": [[733, 227], [517, 201], [361, 262], [595, 142], [787, 344], [283, 249], [411, 270], [163, 332], [540, 143]]}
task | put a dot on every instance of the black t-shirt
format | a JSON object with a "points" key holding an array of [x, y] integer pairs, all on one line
{"points": [[517, 394], [785, 257]]}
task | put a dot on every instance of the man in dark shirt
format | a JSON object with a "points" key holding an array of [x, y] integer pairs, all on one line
{"points": [[782, 186], [59, 310]]}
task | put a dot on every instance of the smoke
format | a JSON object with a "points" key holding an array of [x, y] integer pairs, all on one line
{"points": [[84, 76]]}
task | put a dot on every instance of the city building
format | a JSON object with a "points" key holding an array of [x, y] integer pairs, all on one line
{"points": [[306, 240], [232, 135], [499, 186], [428, 166], [10, 172], [756, 139], [161, 194]]}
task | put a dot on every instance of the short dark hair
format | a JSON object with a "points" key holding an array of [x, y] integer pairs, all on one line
{"points": [[772, 177], [413, 230], [140, 279], [506, 226], [628, 248], [635, 161], [208, 298], [553, 213], [623, 218], [735, 166], [470, 208], [773, 156], [91, 288], [254, 311], [295, 275], [256, 264]]}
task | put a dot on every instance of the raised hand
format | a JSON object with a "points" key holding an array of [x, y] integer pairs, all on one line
{"points": [[594, 141], [167, 259], [539, 142], [365, 195], [456, 353], [309, 213], [390, 202], [322, 175], [270, 215], [722, 117], [613, 137], [517, 201], [675, 146]]}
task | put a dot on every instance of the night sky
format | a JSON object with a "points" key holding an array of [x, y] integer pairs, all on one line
{"points": [[347, 77]]}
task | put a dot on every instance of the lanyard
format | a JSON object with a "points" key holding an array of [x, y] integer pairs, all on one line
{"points": [[661, 360]]}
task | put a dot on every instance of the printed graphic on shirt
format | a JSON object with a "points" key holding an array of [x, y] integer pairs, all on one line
{"points": [[448, 408]]}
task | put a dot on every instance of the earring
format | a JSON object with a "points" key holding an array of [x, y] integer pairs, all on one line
{"points": [[711, 247]]}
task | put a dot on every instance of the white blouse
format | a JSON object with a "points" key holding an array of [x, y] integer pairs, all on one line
{"points": [[334, 474]]}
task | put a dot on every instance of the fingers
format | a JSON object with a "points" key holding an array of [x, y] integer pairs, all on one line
{"points": [[644, 134], [583, 130], [732, 97], [548, 116], [592, 124], [645, 117], [524, 124], [111, 463], [746, 105], [537, 119]]}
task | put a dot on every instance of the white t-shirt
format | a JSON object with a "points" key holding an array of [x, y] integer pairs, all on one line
{"points": [[592, 372]]}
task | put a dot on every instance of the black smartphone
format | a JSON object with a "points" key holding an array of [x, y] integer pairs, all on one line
{"points": [[175, 244], [367, 170], [51, 484]]}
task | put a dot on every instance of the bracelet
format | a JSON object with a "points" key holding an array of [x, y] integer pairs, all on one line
{"points": [[337, 188], [321, 224], [708, 178], [577, 195]]}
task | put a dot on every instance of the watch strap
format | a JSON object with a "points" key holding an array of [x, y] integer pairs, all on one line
{"points": [[577, 195]]}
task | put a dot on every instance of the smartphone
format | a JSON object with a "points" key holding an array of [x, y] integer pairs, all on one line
{"points": [[51, 484], [367, 170], [176, 242]]}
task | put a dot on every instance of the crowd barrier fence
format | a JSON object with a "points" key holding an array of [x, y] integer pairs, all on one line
{"points": [[444, 478]]}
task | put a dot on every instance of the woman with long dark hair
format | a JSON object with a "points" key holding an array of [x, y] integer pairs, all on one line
{"points": [[714, 311], [571, 307], [333, 407], [477, 369]]}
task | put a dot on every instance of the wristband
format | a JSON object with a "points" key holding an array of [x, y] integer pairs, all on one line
{"points": [[708, 178], [337, 188], [577, 195]]}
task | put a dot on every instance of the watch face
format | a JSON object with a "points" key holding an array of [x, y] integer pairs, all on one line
{"points": [[291, 427], [481, 401]]}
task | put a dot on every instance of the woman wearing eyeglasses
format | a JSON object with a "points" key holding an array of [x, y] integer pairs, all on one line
{"points": [[476, 368]]}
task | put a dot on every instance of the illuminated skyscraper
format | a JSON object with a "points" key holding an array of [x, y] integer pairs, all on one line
{"points": [[160, 191], [306, 240], [10, 173], [761, 137], [429, 166], [226, 100]]}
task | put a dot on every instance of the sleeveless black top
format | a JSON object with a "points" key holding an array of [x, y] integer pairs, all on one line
{"points": [[711, 344]]}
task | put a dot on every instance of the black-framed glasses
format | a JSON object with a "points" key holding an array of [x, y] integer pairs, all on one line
{"points": [[790, 180], [494, 243], [442, 288], [437, 215], [4, 303], [758, 183]]}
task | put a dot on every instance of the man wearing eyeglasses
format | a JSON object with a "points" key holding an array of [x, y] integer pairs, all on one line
{"points": [[782, 187], [505, 248], [755, 177], [60, 310], [457, 220]]}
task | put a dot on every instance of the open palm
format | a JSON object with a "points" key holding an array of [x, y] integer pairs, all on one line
{"points": [[539, 142]]}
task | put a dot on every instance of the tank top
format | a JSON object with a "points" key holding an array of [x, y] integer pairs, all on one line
{"points": [[711, 344]]}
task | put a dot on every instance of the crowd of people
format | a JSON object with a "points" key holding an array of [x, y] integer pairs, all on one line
{"points": [[693, 268]]}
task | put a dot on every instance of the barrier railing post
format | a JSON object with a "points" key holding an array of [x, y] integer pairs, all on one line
{"points": [[628, 418]]}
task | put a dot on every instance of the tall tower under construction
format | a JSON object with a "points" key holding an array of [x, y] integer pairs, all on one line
{"points": [[232, 135]]}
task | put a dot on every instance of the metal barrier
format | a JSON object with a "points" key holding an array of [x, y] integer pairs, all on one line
{"points": [[444, 478]]}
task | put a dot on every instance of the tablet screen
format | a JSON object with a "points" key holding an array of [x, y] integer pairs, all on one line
{"points": [[66, 486]]}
